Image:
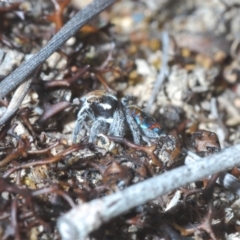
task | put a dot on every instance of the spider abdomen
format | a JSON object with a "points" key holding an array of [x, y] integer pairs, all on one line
{"points": [[144, 120]]}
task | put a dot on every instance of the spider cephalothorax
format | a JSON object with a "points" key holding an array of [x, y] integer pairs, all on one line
{"points": [[104, 110], [108, 115]]}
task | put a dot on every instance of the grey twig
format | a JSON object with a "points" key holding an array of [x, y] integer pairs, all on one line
{"points": [[73, 25], [226, 180], [83, 219], [163, 72]]}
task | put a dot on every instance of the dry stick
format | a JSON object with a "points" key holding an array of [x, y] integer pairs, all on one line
{"points": [[83, 219], [225, 179], [16, 101], [72, 26], [17, 98], [163, 72]]}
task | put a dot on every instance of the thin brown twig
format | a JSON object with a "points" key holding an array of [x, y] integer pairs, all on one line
{"points": [[147, 149], [54, 189], [14, 220], [20, 151], [46, 150], [104, 83], [50, 160]]}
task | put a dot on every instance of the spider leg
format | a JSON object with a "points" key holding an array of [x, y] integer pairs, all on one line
{"points": [[117, 127], [78, 125], [99, 126], [150, 133], [136, 132]]}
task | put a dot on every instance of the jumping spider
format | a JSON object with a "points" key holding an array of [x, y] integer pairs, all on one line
{"points": [[110, 116]]}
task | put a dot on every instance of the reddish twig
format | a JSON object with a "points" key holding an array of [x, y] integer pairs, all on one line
{"points": [[50, 160], [54, 189], [104, 83], [57, 16], [51, 110], [147, 149], [66, 82], [14, 220], [19, 152]]}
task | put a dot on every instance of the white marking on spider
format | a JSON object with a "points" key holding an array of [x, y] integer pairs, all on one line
{"points": [[105, 105], [107, 120]]}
